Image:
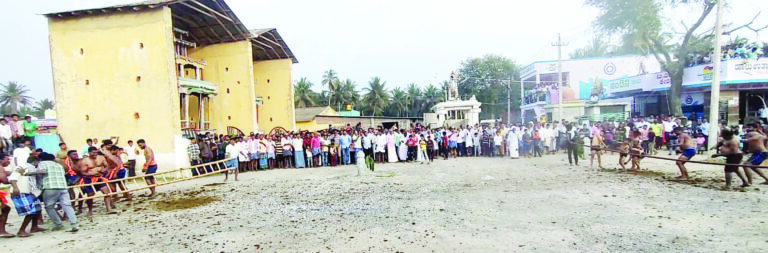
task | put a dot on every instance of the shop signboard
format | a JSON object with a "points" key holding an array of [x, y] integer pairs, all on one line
{"points": [[640, 83], [747, 71], [734, 71]]}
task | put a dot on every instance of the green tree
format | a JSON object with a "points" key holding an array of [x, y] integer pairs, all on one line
{"points": [[596, 47], [640, 25], [303, 95], [414, 99], [488, 79], [346, 93], [432, 96], [376, 97], [13, 94], [399, 101], [41, 106], [330, 79]]}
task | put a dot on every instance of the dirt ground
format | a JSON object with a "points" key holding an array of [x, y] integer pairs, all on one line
{"points": [[457, 205]]}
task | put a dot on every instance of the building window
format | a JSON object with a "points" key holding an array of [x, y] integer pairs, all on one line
{"points": [[141, 45], [138, 78], [87, 82], [81, 51], [226, 69]]}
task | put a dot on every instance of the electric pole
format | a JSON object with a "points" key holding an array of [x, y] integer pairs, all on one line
{"points": [[509, 100], [714, 97], [559, 44]]}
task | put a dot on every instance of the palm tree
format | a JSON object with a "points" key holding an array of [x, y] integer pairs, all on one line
{"points": [[13, 94], [414, 99], [399, 100], [43, 105], [346, 93], [432, 96], [303, 94], [331, 79], [376, 97]]}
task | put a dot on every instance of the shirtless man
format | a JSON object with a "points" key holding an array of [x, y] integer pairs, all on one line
{"points": [[150, 166], [4, 208], [92, 170], [636, 149], [597, 145], [756, 144], [623, 153], [70, 174], [688, 146], [729, 148], [116, 171]]}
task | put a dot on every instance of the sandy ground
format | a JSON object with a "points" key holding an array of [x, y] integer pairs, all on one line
{"points": [[458, 205]]}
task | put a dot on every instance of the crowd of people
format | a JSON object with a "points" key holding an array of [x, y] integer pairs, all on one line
{"points": [[41, 180], [38, 177]]}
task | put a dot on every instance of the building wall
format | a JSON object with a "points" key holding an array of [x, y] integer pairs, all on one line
{"points": [[272, 82], [312, 125], [365, 122], [230, 68], [127, 60]]}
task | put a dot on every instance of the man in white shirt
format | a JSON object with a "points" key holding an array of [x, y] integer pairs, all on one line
{"points": [[5, 136], [21, 154], [232, 151], [460, 141], [132, 152], [669, 125], [368, 143], [470, 143]]}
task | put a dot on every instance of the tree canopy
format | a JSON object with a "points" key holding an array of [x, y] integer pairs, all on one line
{"points": [[488, 79]]}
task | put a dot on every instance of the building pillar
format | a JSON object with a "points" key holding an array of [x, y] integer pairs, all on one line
{"points": [[197, 74], [186, 109], [201, 113]]}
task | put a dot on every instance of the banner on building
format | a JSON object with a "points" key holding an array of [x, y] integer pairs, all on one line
{"points": [[733, 71]]}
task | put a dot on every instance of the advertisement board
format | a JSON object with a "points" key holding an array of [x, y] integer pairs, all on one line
{"points": [[733, 71]]}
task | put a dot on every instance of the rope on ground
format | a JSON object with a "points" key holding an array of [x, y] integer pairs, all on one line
{"points": [[161, 179], [675, 159]]}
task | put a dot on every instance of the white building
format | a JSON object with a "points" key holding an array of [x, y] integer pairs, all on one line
{"points": [[454, 112], [583, 93]]}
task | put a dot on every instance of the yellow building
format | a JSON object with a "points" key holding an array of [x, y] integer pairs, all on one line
{"points": [[158, 69], [306, 117]]}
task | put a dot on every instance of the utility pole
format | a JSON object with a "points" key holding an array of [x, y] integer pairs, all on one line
{"points": [[714, 97], [522, 101], [509, 100], [559, 44]]}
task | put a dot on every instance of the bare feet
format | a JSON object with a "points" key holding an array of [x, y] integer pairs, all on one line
{"points": [[23, 234], [7, 235], [35, 230]]}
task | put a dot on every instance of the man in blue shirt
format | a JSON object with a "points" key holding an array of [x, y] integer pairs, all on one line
{"points": [[345, 140]]}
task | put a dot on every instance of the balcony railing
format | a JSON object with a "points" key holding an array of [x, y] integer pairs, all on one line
{"points": [[198, 86]]}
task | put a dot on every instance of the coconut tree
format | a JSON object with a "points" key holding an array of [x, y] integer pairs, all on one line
{"points": [[330, 79], [414, 99], [14, 94], [432, 96], [42, 105], [399, 100], [346, 93], [376, 97], [303, 95]]}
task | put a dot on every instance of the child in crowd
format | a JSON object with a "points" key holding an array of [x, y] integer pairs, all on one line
{"points": [[700, 144], [333, 153]]}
